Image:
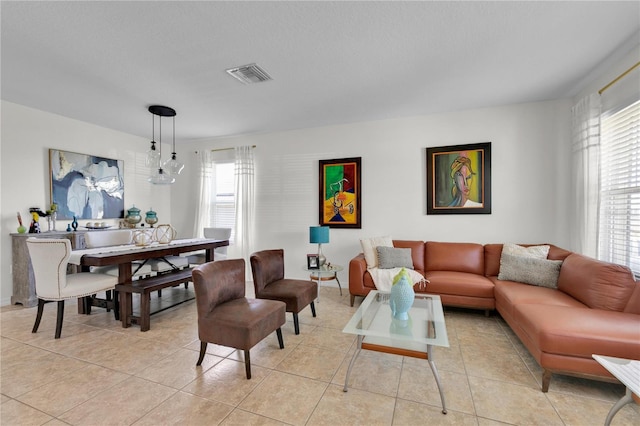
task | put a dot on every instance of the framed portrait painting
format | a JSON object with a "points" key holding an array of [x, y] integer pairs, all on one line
{"points": [[86, 186], [459, 179], [340, 193]]}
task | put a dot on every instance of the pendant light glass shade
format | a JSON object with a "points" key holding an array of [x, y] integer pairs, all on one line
{"points": [[173, 166], [162, 173], [152, 160], [160, 177]]}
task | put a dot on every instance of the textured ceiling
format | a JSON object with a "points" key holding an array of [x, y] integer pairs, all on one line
{"points": [[331, 62]]}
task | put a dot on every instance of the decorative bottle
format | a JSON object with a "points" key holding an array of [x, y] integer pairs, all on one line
{"points": [[402, 295], [74, 223]]}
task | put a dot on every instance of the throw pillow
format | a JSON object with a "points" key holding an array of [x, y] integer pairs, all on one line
{"points": [[541, 252], [391, 257], [369, 249], [530, 270]]}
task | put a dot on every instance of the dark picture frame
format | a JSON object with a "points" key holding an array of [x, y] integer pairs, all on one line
{"points": [[313, 261], [86, 186], [340, 193], [459, 179]]}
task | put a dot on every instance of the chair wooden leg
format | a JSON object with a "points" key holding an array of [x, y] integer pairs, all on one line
{"points": [[247, 364], [203, 350], [88, 302], [116, 305], [280, 341], [313, 309], [353, 299], [60, 318], [109, 299], [38, 315], [296, 326]]}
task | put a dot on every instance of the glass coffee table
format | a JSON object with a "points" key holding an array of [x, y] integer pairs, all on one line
{"points": [[378, 331]]}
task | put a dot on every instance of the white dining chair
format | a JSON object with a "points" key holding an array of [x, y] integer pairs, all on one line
{"points": [[49, 258], [220, 253], [118, 237]]}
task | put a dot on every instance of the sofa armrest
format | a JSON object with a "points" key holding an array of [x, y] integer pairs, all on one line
{"points": [[357, 269]]}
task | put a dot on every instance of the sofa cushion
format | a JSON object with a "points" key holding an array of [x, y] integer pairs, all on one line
{"points": [[369, 249], [580, 332], [529, 270], [459, 283], [458, 257], [597, 284], [391, 257], [510, 293]]}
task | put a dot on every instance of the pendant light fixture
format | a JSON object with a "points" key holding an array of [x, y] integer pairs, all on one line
{"points": [[173, 166], [160, 175], [153, 155]]}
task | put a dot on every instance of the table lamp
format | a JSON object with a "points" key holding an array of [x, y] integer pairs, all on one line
{"points": [[319, 235]]}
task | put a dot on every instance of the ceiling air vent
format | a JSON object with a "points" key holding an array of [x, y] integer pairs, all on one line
{"points": [[249, 74]]}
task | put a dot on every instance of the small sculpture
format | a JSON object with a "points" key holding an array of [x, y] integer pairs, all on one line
{"points": [[21, 228], [35, 225]]}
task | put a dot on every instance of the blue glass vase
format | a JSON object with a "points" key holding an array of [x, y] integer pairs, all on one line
{"points": [[402, 296]]}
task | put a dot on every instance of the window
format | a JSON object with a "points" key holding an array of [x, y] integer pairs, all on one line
{"points": [[223, 204], [619, 227]]}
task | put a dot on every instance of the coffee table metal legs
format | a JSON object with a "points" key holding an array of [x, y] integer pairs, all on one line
{"points": [[432, 364], [434, 370], [626, 399], [353, 360]]}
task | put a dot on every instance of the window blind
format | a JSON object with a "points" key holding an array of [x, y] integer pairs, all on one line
{"points": [[619, 229], [223, 210]]}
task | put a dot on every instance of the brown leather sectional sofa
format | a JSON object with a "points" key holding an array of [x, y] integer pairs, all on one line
{"points": [[594, 310]]}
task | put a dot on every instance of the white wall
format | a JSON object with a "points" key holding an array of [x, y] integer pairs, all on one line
{"points": [[27, 135], [530, 173]]}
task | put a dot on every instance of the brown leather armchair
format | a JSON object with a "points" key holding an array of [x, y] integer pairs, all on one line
{"points": [[226, 317], [267, 267]]}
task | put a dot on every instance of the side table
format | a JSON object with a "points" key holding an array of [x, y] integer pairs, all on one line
{"points": [[325, 274], [628, 372]]}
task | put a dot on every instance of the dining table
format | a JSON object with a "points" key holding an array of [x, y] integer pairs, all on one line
{"points": [[124, 255]]}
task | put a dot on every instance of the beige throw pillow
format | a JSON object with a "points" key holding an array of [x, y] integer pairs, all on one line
{"points": [[369, 249], [530, 270], [540, 252]]}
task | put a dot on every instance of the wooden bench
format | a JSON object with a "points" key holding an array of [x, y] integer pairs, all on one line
{"points": [[145, 287]]}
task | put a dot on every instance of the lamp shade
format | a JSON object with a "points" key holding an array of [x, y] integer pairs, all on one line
{"points": [[318, 234]]}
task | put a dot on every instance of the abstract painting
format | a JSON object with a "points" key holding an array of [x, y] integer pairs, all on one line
{"points": [[340, 193], [459, 179], [86, 186]]}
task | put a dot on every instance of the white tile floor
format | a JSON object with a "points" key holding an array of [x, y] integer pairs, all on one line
{"points": [[99, 373]]}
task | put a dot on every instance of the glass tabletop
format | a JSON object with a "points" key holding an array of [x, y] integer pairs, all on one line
{"points": [[324, 269], [425, 325]]}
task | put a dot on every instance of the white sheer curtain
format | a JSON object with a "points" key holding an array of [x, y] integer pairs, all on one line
{"points": [[207, 188], [245, 203], [585, 174]]}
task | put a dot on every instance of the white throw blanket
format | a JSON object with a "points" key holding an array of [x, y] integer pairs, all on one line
{"points": [[383, 278]]}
